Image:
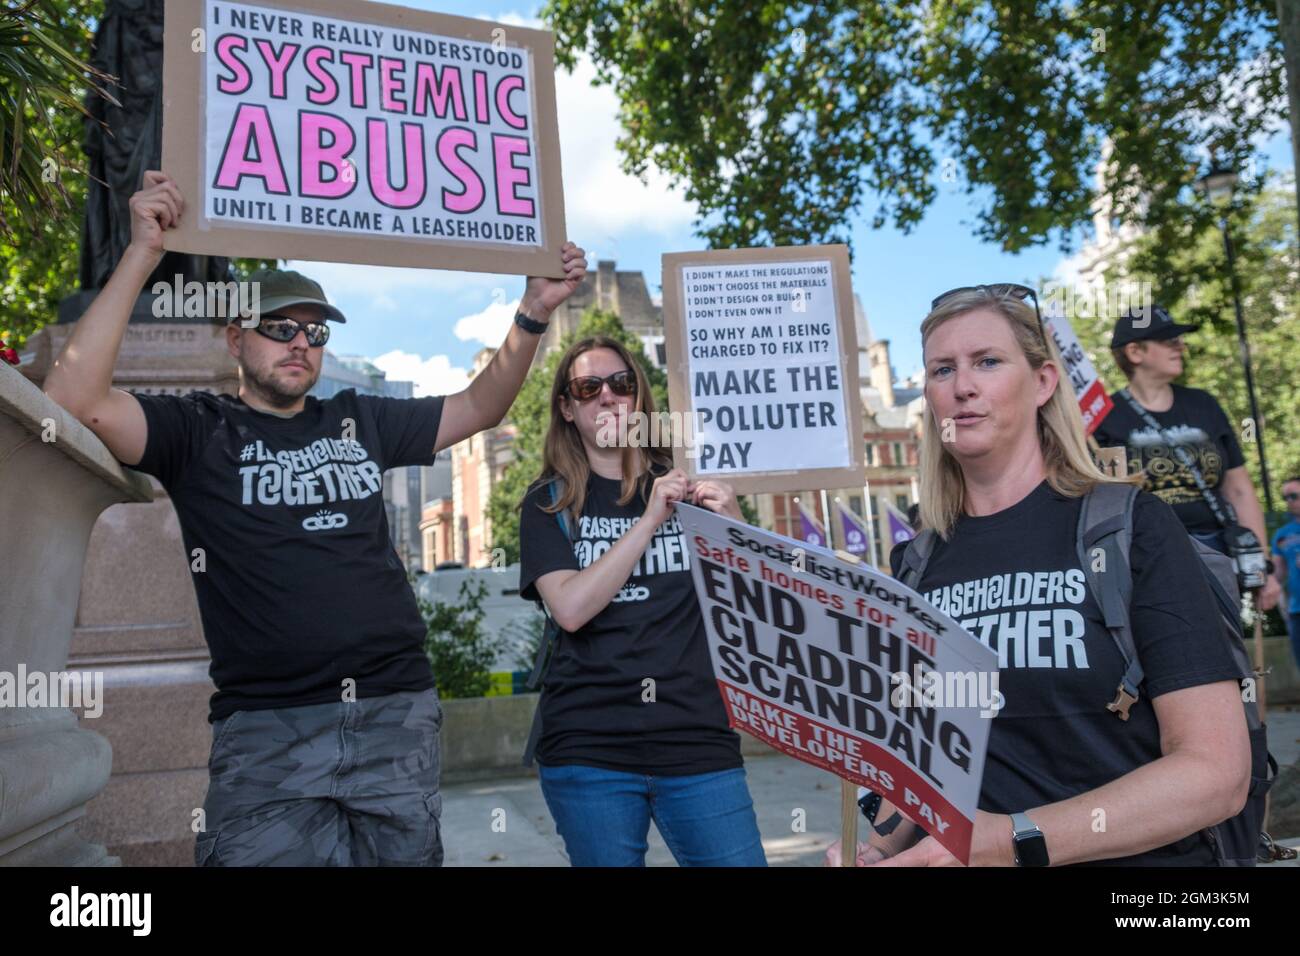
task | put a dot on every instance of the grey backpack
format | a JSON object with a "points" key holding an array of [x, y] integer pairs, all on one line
{"points": [[1105, 531]]}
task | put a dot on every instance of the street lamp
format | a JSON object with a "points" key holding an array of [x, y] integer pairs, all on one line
{"points": [[1218, 185]]}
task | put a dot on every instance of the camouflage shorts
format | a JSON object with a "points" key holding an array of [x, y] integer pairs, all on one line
{"points": [[345, 784]]}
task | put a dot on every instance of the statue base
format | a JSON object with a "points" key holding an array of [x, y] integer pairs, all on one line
{"points": [[137, 620]]}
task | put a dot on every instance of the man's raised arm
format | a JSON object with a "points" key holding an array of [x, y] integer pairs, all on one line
{"points": [[82, 376], [489, 396]]}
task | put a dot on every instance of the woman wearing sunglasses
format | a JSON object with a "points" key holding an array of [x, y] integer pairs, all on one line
{"points": [[1004, 472], [632, 725]]}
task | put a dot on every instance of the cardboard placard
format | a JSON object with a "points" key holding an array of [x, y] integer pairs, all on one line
{"points": [[846, 669], [365, 133], [1113, 461], [1089, 390], [763, 358]]}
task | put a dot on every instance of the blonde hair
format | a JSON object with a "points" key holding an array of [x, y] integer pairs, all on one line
{"points": [[1069, 466], [563, 454]]}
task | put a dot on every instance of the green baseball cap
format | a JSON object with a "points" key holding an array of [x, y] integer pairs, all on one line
{"points": [[278, 288]]}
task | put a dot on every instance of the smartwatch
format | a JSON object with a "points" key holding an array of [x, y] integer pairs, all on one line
{"points": [[869, 803], [530, 325], [1029, 843]]}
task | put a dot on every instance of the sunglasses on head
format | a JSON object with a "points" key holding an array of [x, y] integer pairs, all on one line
{"points": [[586, 387], [281, 328], [1000, 290]]}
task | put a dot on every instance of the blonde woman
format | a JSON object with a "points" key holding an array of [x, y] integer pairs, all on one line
{"points": [[632, 724], [1003, 473]]}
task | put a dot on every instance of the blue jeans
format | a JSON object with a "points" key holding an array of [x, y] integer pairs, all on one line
{"points": [[604, 816]]}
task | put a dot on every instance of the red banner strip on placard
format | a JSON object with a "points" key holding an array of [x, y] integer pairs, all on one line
{"points": [[1095, 405], [870, 766]]}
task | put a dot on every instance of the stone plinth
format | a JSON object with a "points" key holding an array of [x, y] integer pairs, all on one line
{"points": [[169, 358], [137, 620], [56, 478]]}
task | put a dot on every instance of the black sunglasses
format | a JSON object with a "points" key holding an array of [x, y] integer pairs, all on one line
{"points": [[999, 289], [281, 328], [1291, 496], [586, 387]]}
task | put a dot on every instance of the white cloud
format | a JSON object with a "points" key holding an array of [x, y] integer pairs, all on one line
{"points": [[490, 325], [600, 199], [1068, 272], [432, 376]]}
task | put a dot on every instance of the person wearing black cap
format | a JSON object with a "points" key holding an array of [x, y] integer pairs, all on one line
{"points": [[326, 719], [1179, 438]]}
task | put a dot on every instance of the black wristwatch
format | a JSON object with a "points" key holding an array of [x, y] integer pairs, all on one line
{"points": [[1029, 843], [1269, 566], [530, 325]]}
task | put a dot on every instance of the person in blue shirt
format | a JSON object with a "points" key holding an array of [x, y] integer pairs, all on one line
{"points": [[1286, 562]]}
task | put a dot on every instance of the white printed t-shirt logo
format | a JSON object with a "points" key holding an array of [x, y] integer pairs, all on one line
{"points": [[323, 472]]}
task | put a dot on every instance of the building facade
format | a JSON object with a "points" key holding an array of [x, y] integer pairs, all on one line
{"points": [[437, 514], [624, 293]]}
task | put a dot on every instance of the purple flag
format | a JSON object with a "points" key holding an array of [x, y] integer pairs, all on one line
{"points": [[855, 533], [810, 528], [896, 525]]}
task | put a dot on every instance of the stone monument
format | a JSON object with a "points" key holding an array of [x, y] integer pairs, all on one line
{"points": [[137, 620]]}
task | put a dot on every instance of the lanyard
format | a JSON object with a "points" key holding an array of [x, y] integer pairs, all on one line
{"points": [[1183, 455]]}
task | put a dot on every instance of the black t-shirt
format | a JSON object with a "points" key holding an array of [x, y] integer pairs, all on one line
{"points": [[596, 709], [1014, 581], [298, 584], [1196, 421]]}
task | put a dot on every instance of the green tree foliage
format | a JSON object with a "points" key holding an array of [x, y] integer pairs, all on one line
{"points": [[459, 649], [531, 416], [781, 119], [44, 79], [41, 63], [1268, 269]]}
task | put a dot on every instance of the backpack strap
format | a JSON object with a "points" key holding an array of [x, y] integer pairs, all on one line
{"points": [[1103, 537], [550, 639], [1106, 531], [916, 557]]}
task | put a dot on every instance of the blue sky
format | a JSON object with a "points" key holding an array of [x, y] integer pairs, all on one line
{"points": [[426, 325]]}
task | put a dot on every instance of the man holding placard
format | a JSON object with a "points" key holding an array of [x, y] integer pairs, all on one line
{"points": [[326, 719]]}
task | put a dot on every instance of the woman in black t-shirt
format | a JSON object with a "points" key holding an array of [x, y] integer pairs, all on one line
{"points": [[1148, 348], [633, 727], [1003, 472]]}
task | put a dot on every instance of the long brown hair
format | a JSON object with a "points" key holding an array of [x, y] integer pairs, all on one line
{"points": [[563, 455], [1069, 466]]}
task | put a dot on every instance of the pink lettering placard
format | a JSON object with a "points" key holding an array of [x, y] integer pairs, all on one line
{"points": [[362, 133]]}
